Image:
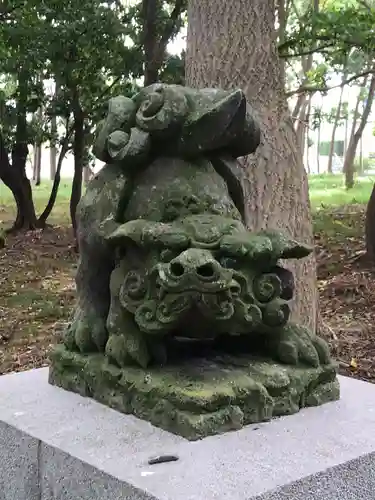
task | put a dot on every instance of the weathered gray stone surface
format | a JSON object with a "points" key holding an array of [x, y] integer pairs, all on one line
{"points": [[58, 445], [182, 314]]}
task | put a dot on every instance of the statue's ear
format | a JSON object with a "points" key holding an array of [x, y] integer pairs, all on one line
{"points": [[285, 247], [246, 245], [208, 127], [266, 245], [147, 233], [222, 121]]}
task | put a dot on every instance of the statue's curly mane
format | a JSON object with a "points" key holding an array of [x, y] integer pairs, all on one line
{"points": [[178, 121]]}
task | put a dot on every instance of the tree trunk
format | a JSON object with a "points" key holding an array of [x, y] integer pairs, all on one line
{"points": [[354, 139], [35, 158], [370, 226], [307, 138], [302, 125], [9, 175], [334, 128], [56, 182], [356, 113], [232, 45], [318, 150], [154, 39], [282, 10], [307, 62], [150, 41], [38, 152], [79, 157], [26, 217], [14, 174], [37, 164], [53, 150]]}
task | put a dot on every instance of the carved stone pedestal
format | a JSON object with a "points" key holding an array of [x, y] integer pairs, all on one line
{"points": [[201, 396]]}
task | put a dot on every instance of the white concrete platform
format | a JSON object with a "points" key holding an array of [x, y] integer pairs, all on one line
{"points": [[55, 445]]}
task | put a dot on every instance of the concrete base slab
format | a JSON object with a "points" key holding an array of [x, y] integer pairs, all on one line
{"points": [[57, 445]]}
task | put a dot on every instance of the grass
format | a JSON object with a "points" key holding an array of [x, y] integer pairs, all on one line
{"points": [[37, 273], [325, 190], [60, 212], [329, 191]]}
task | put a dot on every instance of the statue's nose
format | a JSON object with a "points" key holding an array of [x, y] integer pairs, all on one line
{"points": [[200, 263]]}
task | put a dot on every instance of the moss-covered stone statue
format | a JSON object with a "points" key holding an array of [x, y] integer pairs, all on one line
{"points": [[183, 314]]}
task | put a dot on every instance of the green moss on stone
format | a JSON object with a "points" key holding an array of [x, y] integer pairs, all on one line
{"points": [[201, 396]]}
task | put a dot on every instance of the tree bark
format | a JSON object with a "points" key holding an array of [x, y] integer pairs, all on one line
{"points": [[307, 137], [307, 62], [232, 45], [53, 149], [155, 42], [38, 152], [37, 164], [282, 10], [356, 113], [26, 217], [56, 182], [303, 124], [13, 174], [9, 175], [150, 41], [354, 138], [334, 128], [78, 151]]}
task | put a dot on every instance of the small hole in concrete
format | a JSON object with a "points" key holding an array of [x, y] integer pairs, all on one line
{"points": [[162, 459]]}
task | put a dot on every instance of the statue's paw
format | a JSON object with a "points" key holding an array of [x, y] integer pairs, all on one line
{"points": [[322, 348], [297, 344], [69, 338], [87, 332], [128, 349]]}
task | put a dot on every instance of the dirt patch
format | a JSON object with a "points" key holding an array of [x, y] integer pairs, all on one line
{"points": [[347, 290], [37, 293], [36, 296]]}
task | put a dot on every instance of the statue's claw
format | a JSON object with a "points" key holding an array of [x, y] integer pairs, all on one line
{"points": [[128, 349], [295, 344], [87, 332]]}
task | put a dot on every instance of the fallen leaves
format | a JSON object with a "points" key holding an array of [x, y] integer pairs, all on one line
{"points": [[36, 296], [346, 282], [353, 364]]}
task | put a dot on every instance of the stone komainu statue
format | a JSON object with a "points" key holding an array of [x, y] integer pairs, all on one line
{"points": [[168, 271]]}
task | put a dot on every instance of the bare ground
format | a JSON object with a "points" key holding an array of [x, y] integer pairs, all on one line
{"points": [[36, 296], [37, 293]]}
